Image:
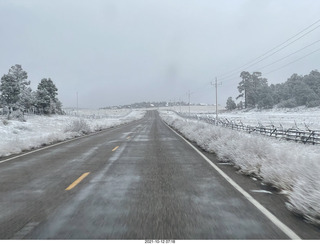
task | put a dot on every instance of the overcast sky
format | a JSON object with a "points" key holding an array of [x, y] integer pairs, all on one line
{"points": [[119, 52]]}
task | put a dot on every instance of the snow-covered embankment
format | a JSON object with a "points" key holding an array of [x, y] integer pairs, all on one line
{"points": [[16, 136], [291, 167]]}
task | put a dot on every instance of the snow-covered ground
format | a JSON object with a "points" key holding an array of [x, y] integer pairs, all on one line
{"points": [[287, 118], [16, 136], [194, 109], [291, 167], [97, 113]]}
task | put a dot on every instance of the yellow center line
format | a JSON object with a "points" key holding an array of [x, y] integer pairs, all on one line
{"points": [[115, 148], [77, 181]]}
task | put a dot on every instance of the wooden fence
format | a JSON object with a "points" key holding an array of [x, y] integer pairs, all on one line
{"points": [[291, 134]]}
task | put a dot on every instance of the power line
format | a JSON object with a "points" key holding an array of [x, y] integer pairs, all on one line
{"points": [[288, 40], [251, 63], [283, 47], [294, 61], [229, 78], [288, 55], [273, 52]]}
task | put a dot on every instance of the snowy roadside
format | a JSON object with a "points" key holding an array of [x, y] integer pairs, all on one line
{"points": [[292, 168], [37, 131], [299, 117]]}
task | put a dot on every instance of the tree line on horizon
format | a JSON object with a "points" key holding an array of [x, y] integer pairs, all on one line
{"points": [[17, 97], [297, 91]]}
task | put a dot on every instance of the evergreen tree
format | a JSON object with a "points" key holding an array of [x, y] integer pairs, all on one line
{"points": [[254, 89], [260, 88], [244, 87], [296, 91], [47, 101], [313, 82], [12, 84], [300, 91], [27, 99], [240, 105], [231, 105], [265, 98]]}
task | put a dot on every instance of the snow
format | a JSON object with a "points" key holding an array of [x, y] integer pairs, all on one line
{"points": [[291, 167], [261, 191], [17, 136], [287, 118], [98, 113]]}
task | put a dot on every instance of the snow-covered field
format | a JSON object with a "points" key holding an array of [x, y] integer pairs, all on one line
{"points": [[16, 136], [97, 113], [291, 167], [287, 118], [194, 109]]}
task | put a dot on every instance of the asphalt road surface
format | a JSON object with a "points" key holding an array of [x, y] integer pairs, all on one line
{"points": [[136, 181]]}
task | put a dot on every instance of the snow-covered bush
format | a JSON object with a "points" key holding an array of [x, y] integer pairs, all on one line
{"points": [[291, 167], [79, 126], [305, 198], [5, 122]]}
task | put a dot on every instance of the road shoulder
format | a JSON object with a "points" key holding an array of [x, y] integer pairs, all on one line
{"points": [[269, 197]]}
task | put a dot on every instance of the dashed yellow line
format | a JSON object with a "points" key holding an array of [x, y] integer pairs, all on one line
{"points": [[77, 181], [115, 148]]}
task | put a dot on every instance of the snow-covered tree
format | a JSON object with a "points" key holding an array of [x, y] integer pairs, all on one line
{"points": [[27, 99], [231, 105], [255, 90], [240, 105], [47, 101], [245, 87], [12, 84]]}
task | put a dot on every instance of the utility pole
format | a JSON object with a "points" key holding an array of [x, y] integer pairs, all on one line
{"points": [[189, 100], [77, 106], [216, 100], [216, 86]]}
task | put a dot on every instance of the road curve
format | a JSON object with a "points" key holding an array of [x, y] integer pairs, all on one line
{"points": [[137, 181]]}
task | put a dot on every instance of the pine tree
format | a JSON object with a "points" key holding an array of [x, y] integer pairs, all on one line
{"points": [[47, 101], [255, 90], [244, 87], [240, 105], [11, 87], [27, 99], [231, 105]]}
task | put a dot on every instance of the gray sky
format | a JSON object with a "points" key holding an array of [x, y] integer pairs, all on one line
{"points": [[119, 52]]}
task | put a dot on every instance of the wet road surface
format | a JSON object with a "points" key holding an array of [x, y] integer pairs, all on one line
{"points": [[137, 181]]}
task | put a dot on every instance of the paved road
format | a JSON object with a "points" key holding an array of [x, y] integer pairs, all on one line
{"points": [[137, 181]]}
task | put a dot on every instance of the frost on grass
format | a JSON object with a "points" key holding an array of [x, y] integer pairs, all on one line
{"points": [[305, 198], [5, 122], [78, 126], [291, 167], [37, 131]]}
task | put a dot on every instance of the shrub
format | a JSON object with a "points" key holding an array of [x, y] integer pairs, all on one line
{"points": [[314, 103], [290, 103], [5, 122], [79, 126]]}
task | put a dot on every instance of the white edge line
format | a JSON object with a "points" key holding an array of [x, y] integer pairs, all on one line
{"points": [[57, 144], [285, 229]]}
